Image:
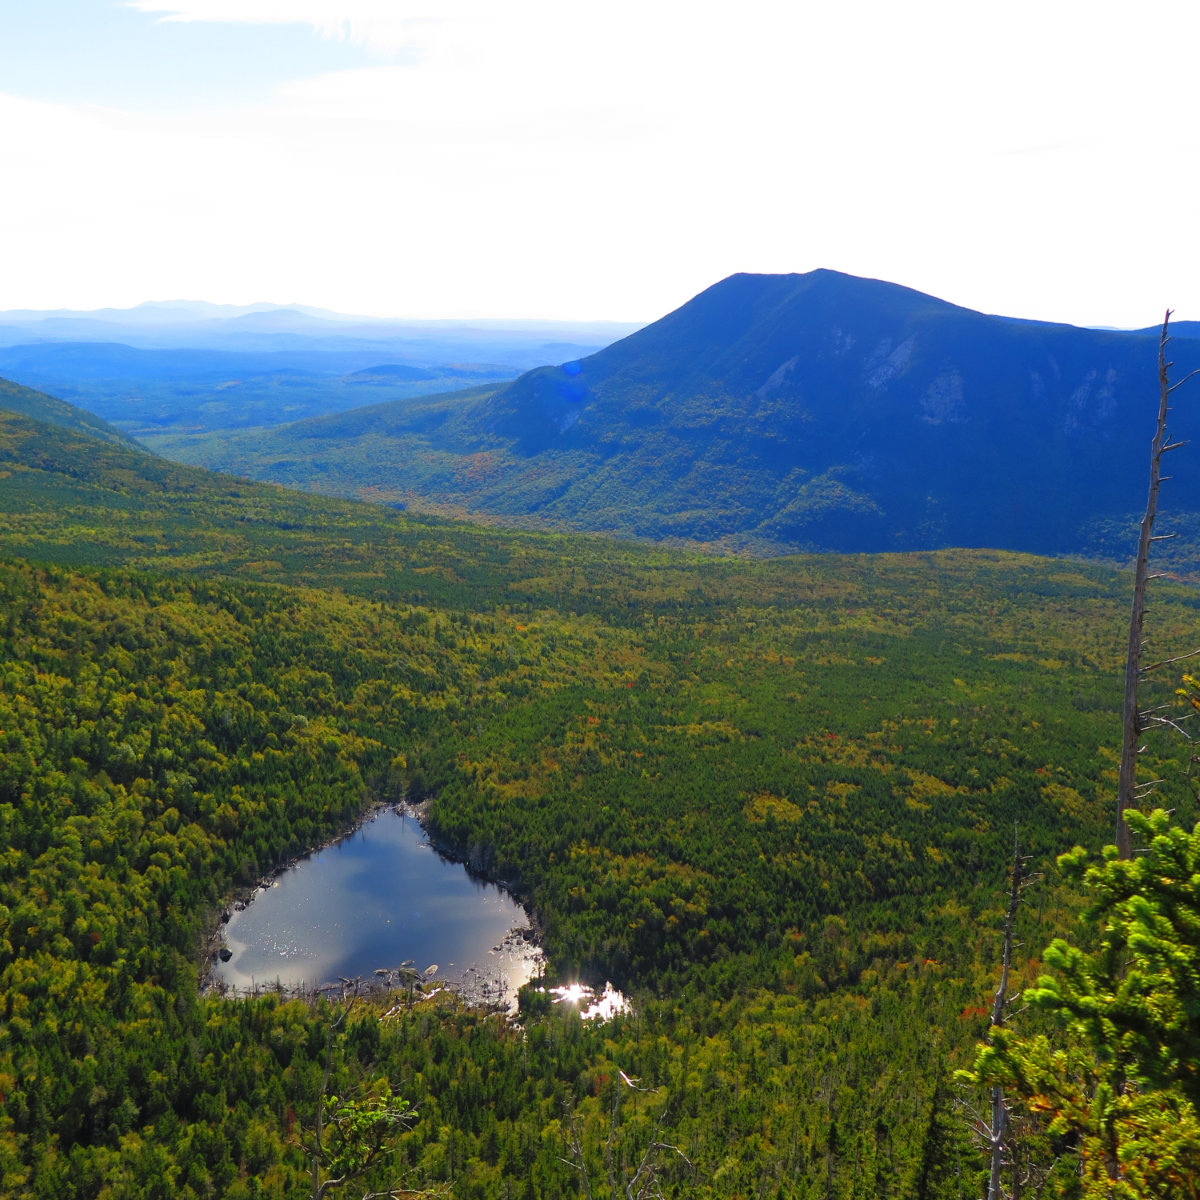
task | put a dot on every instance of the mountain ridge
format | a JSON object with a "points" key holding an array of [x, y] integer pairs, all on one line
{"points": [[51, 411], [778, 414]]}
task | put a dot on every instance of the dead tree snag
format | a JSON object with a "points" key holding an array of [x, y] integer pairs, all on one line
{"points": [[1134, 721]]}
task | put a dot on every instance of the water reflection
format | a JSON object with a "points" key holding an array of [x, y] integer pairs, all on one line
{"points": [[381, 904], [591, 1007]]}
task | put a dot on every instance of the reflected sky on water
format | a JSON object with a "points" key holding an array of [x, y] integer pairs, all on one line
{"points": [[376, 899]]}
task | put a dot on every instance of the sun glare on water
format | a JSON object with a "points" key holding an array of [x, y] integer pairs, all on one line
{"points": [[598, 1008]]}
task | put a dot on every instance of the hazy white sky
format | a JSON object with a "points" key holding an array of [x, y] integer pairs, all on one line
{"points": [[551, 158]]}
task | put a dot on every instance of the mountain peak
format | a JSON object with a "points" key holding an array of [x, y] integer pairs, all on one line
{"points": [[824, 410]]}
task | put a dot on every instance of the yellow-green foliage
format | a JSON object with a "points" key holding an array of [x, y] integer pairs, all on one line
{"points": [[772, 799]]}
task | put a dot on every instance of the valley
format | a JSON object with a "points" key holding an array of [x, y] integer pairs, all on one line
{"points": [[586, 611], [773, 799], [174, 369]]}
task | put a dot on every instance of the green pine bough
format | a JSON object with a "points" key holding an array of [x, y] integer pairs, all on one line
{"points": [[1116, 1082]]}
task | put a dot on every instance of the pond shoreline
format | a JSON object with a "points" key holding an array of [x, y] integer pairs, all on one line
{"points": [[462, 855], [523, 937]]}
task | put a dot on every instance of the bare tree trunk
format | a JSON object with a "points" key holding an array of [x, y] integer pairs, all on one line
{"points": [[318, 1150], [1131, 716], [645, 1182], [997, 1133]]}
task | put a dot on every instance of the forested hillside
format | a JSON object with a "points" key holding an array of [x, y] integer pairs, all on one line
{"points": [[773, 799], [17, 399]]}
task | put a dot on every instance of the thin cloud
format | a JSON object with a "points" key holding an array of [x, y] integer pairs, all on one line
{"points": [[381, 26]]}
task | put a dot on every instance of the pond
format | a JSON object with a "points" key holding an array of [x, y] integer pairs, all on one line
{"points": [[372, 905]]}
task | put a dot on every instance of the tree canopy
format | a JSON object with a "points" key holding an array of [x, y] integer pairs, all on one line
{"points": [[1116, 1076]]}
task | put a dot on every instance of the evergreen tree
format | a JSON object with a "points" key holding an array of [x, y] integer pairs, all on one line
{"points": [[1120, 1081]]}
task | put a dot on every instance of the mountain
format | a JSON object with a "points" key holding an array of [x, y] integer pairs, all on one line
{"points": [[391, 371], [1177, 329], [185, 367], [151, 312], [780, 413], [824, 411], [300, 329]]}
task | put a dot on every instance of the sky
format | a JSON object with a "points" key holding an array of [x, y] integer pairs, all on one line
{"points": [[586, 161]]}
